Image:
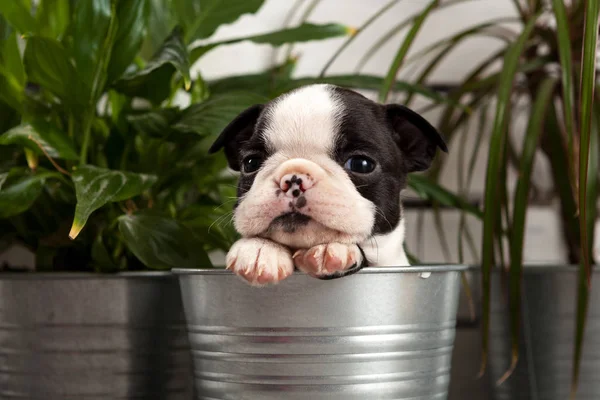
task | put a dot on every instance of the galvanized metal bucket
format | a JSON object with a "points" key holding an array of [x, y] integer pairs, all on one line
{"points": [[548, 337], [91, 336], [383, 333]]}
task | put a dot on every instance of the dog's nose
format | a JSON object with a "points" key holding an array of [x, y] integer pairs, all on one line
{"points": [[298, 175], [295, 183]]}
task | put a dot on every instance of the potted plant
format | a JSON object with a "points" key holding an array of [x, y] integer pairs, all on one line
{"points": [[535, 344], [106, 180]]}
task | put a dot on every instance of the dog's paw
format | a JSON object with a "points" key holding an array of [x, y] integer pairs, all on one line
{"points": [[328, 259], [260, 261]]}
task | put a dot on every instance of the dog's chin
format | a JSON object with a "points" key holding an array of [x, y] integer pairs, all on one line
{"points": [[299, 231]]}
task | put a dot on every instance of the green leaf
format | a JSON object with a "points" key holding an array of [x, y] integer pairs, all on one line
{"points": [[303, 33], [355, 34], [17, 13], [95, 187], [132, 16], [47, 64], [154, 81], [19, 190], [53, 18], [520, 206], [215, 13], [390, 78], [156, 123], [430, 190], [368, 82], [586, 107], [492, 205], [162, 243], [91, 21], [12, 73], [56, 143], [264, 83], [212, 116]]}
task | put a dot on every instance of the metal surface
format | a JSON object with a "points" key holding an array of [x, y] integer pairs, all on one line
{"points": [[93, 337], [383, 333], [547, 343]]}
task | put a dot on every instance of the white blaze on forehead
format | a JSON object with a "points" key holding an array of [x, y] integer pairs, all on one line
{"points": [[304, 121]]}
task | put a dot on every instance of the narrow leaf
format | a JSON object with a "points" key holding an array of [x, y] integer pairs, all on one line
{"points": [[492, 206], [390, 78], [154, 81], [40, 133], [520, 206], [353, 36], [215, 13], [563, 33], [162, 243], [95, 187], [430, 190], [303, 33], [586, 101]]}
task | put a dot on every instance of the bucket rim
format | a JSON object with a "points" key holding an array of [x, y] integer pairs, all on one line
{"points": [[441, 268]]}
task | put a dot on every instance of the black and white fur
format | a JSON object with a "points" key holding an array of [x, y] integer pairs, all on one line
{"points": [[301, 201]]}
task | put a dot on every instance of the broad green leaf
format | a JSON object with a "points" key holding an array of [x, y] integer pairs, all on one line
{"points": [[19, 190], [214, 13], [187, 11], [95, 187], [132, 18], [162, 19], [154, 81], [493, 192], [101, 256], [47, 64], [91, 21], [212, 116], [12, 73], [53, 18], [162, 243], [40, 133], [520, 206], [264, 83], [18, 14], [156, 123], [390, 78], [303, 33], [586, 107]]}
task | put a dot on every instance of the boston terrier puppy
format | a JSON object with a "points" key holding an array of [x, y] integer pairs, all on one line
{"points": [[321, 171]]}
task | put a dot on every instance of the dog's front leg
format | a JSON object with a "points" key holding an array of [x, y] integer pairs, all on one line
{"points": [[329, 260], [260, 261]]}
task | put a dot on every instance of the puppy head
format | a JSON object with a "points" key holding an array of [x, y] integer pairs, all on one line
{"points": [[324, 164]]}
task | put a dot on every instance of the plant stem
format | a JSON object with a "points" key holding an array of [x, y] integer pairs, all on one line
{"points": [[87, 130]]}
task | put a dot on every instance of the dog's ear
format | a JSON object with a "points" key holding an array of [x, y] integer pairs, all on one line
{"points": [[417, 139], [237, 131]]}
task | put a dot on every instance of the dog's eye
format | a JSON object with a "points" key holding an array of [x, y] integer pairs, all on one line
{"points": [[360, 165], [252, 163]]}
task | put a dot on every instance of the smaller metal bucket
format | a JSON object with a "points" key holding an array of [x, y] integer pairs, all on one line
{"points": [[548, 337], [383, 333], [96, 337]]}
